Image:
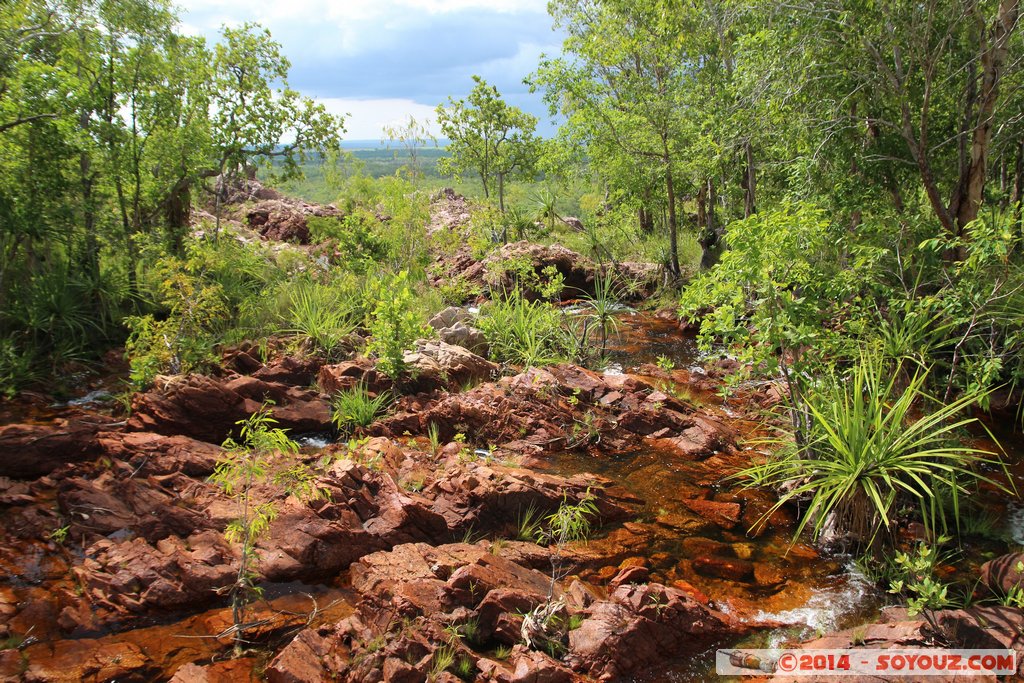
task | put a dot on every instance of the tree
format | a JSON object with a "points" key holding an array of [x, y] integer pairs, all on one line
{"points": [[620, 89], [412, 136], [921, 82], [254, 120], [488, 137]]}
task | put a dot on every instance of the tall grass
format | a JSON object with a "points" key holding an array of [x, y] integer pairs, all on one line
{"points": [[325, 315], [523, 332], [878, 449], [355, 409]]}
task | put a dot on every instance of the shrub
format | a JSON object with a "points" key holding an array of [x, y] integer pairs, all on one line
{"points": [[523, 332], [246, 463], [323, 314], [394, 324], [352, 240], [868, 456], [184, 340]]}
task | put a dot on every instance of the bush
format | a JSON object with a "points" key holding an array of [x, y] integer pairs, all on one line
{"points": [[324, 314], [523, 332], [351, 241], [870, 456], [355, 409], [182, 341], [394, 324]]}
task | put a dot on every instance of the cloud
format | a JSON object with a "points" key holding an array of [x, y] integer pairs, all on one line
{"points": [[365, 119], [377, 56]]}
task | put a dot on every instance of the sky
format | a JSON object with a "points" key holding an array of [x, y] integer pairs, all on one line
{"points": [[382, 60]]}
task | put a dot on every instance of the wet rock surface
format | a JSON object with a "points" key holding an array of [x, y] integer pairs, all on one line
{"points": [[113, 542]]}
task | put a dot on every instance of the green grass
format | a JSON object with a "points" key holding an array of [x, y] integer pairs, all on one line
{"points": [[523, 332], [355, 409]]}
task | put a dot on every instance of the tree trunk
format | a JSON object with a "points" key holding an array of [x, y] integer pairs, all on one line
{"points": [[710, 235], [993, 59], [1018, 186], [750, 182], [673, 223], [501, 192]]}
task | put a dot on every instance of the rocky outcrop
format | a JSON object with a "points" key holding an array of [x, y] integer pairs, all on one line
{"points": [[449, 212], [640, 626], [156, 454], [414, 597], [437, 364], [577, 271], [504, 268], [563, 407], [453, 326], [33, 450], [208, 408], [1003, 574]]}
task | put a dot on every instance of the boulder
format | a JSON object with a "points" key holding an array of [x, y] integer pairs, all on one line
{"points": [[300, 661], [465, 336], [1004, 573], [640, 626], [31, 450], [147, 453], [280, 221], [436, 364], [343, 376], [449, 317]]}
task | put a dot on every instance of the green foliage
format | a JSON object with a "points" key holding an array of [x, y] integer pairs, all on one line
{"points": [[248, 461], [519, 274], [602, 307], [529, 524], [184, 340], [393, 323], [570, 522], [523, 332], [766, 292], [870, 456], [351, 241], [488, 137], [914, 580], [354, 409], [325, 315]]}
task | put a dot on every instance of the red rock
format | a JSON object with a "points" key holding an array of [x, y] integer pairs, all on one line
{"points": [[149, 453], [208, 409], [768, 575], [725, 515], [279, 220], [632, 574], [1001, 575], [728, 568], [300, 661], [530, 666], [639, 627], [31, 451], [73, 661], [342, 376], [290, 371], [228, 671]]}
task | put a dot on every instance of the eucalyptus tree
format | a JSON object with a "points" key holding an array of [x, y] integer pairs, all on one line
{"points": [[921, 81], [621, 87], [256, 116], [489, 137], [412, 136]]}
